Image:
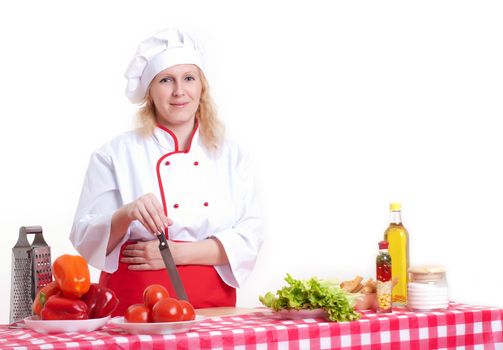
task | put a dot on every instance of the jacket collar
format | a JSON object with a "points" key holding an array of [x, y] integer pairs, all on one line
{"points": [[168, 140]]}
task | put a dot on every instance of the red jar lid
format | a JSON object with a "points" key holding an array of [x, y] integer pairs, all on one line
{"points": [[383, 245]]}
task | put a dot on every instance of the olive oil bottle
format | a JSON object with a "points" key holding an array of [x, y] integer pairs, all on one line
{"points": [[398, 239]]}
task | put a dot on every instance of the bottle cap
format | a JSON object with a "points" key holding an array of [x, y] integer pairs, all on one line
{"points": [[383, 245], [395, 206]]}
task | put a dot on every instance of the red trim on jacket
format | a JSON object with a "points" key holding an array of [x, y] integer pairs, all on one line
{"points": [[175, 139], [160, 161]]}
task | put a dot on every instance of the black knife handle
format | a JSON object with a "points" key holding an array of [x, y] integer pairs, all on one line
{"points": [[163, 242]]}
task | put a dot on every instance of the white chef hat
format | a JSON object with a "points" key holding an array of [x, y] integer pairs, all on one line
{"points": [[157, 53]]}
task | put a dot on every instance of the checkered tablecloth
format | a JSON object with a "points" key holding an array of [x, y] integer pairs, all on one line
{"points": [[461, 326]]}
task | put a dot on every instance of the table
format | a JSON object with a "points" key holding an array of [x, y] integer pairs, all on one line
{"points": [[461, 326]]}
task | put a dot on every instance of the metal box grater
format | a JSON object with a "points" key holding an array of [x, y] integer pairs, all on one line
{"points": [[31, 271]]}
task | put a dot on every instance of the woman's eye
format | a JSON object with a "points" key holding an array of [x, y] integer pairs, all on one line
{"points": [[165, 80], [189, 78]]}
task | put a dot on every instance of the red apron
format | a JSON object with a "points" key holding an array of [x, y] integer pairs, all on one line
{"points": [[202, 283]]}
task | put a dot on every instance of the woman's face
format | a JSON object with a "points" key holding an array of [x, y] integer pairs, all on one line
{"points": [[176, 92]]}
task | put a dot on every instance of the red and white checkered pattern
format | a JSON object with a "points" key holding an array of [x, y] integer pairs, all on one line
{"points": [[461, 327]]}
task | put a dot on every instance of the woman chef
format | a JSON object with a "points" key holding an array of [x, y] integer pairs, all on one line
{"points": [[175, 170]]}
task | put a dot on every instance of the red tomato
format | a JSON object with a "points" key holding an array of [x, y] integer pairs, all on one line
{"points": [[138, 313], [153, 294], [188, 312], [167, 310]]}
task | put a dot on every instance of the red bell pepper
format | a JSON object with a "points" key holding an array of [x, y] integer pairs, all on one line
{"points": [[101, 301], [43, 295], [61, 308], [72, 274], [107, 303]]}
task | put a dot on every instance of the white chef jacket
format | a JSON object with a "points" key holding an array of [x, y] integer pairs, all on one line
{"points": [[206, 194]]}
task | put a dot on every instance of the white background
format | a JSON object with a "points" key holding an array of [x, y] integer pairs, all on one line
{"points": [[345, 107]]}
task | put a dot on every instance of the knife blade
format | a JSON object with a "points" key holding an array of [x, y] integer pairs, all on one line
{"points": [[171, 267]]}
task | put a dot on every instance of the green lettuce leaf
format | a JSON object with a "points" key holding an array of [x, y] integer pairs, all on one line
{"points": [[313, 294]]}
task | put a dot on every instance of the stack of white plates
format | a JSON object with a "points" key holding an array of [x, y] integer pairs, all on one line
{"points": [[427, 296]]}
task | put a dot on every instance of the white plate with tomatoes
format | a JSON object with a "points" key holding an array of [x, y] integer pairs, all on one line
{"points": [[155, 327], [64, 326]]}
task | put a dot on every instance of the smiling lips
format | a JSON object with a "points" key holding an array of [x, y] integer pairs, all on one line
{"points": [[179, 105]]}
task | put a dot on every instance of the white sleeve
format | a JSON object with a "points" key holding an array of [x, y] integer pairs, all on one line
{"points": [[99, 199], [243, 240]]}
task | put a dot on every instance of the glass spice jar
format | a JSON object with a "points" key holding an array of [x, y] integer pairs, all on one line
{"points": [[383, 277]]}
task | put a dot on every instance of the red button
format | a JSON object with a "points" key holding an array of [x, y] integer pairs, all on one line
{"points": [[167, 163], [205, 204], [175, 205], [196, 163]]}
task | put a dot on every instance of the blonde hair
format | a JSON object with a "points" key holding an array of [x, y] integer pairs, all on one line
{"points": [[211, 128]]}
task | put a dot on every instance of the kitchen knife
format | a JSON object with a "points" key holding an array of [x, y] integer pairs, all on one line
{"points": [[171, 267]]}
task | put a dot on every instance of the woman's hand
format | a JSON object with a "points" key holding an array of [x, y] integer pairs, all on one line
{"points": [[144, 255], [147, 210]]}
